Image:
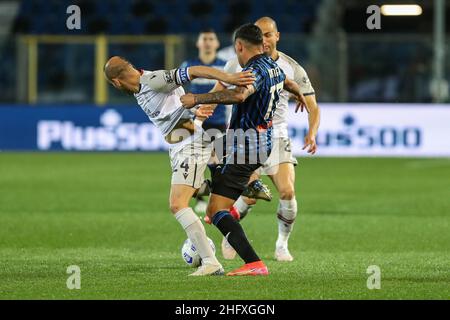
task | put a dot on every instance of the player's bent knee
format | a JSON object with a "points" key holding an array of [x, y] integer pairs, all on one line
{"points": [[287, 194], [179, 198], [211, 211], [177, 206]]}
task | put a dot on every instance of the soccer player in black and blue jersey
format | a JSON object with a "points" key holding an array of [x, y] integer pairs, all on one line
{"points": [[249, 138]]}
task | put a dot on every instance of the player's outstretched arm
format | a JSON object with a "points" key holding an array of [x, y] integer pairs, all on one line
{"points": [[239, 79], [168, 80], [313, 123], [228, 96], [219, 86], [204, 111], [294, 88], [302, 80], [313, 114]]}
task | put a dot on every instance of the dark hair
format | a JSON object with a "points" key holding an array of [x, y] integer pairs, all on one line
{"points": [[207, 30], [250, 33]]}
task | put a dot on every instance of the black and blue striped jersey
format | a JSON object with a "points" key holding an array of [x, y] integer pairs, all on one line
{"points": [[256, 112]]}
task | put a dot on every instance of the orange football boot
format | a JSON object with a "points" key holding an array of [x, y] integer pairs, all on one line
{"points": [[257, 268]]}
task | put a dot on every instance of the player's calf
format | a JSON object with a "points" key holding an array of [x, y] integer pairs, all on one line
{"points": [[233, 232], [287, 212], [197, 234]]}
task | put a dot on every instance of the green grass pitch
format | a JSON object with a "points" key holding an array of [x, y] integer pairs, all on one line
{"points": [[108, 214]]}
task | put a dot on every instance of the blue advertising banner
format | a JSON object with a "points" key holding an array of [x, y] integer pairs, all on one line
{"points": [[77, 128], [345, 130]]}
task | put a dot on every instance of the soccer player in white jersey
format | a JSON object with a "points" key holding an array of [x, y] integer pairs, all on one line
{"points": [[158, 94], [280, 165]]}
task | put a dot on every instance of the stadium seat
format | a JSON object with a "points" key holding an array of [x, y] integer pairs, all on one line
{"points": [[199, 13]]}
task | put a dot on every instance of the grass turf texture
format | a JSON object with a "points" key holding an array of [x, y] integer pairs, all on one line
{"points": [[108, 214]]}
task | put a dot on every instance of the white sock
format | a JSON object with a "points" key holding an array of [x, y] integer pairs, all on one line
{"points": [[287, 211], [243, 207], [196, 232]]}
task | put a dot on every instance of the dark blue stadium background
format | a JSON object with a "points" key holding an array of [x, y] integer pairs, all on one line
{"points": [[389, 65]]}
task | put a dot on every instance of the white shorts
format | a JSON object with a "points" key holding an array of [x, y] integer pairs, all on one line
{"points": [[281, 153], [189, 162]]}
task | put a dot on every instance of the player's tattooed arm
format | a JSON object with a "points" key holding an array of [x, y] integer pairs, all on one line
{"points": [[204, 111], [228, 96], [239, 79], [219, 86]]}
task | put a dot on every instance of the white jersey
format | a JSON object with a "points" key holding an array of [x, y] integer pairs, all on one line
{"points": [[159, 97], [226, 53], [293, 72]]}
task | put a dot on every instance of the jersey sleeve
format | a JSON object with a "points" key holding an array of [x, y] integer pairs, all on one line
{"points": [[231, 66], [166, 80], [302, 79]]}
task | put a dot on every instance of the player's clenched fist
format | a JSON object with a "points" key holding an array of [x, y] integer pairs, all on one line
{"points": [[188, 100]]}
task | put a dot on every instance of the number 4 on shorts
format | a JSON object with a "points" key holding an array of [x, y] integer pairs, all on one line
{"points": [[185, 165]]}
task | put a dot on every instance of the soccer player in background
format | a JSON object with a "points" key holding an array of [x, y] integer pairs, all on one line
{"points": [[280, 165], [207, 44], [158, 94], [251, 120]]}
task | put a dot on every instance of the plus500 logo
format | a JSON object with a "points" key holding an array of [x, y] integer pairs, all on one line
{"points": [[112, 135], [352, 135]]}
